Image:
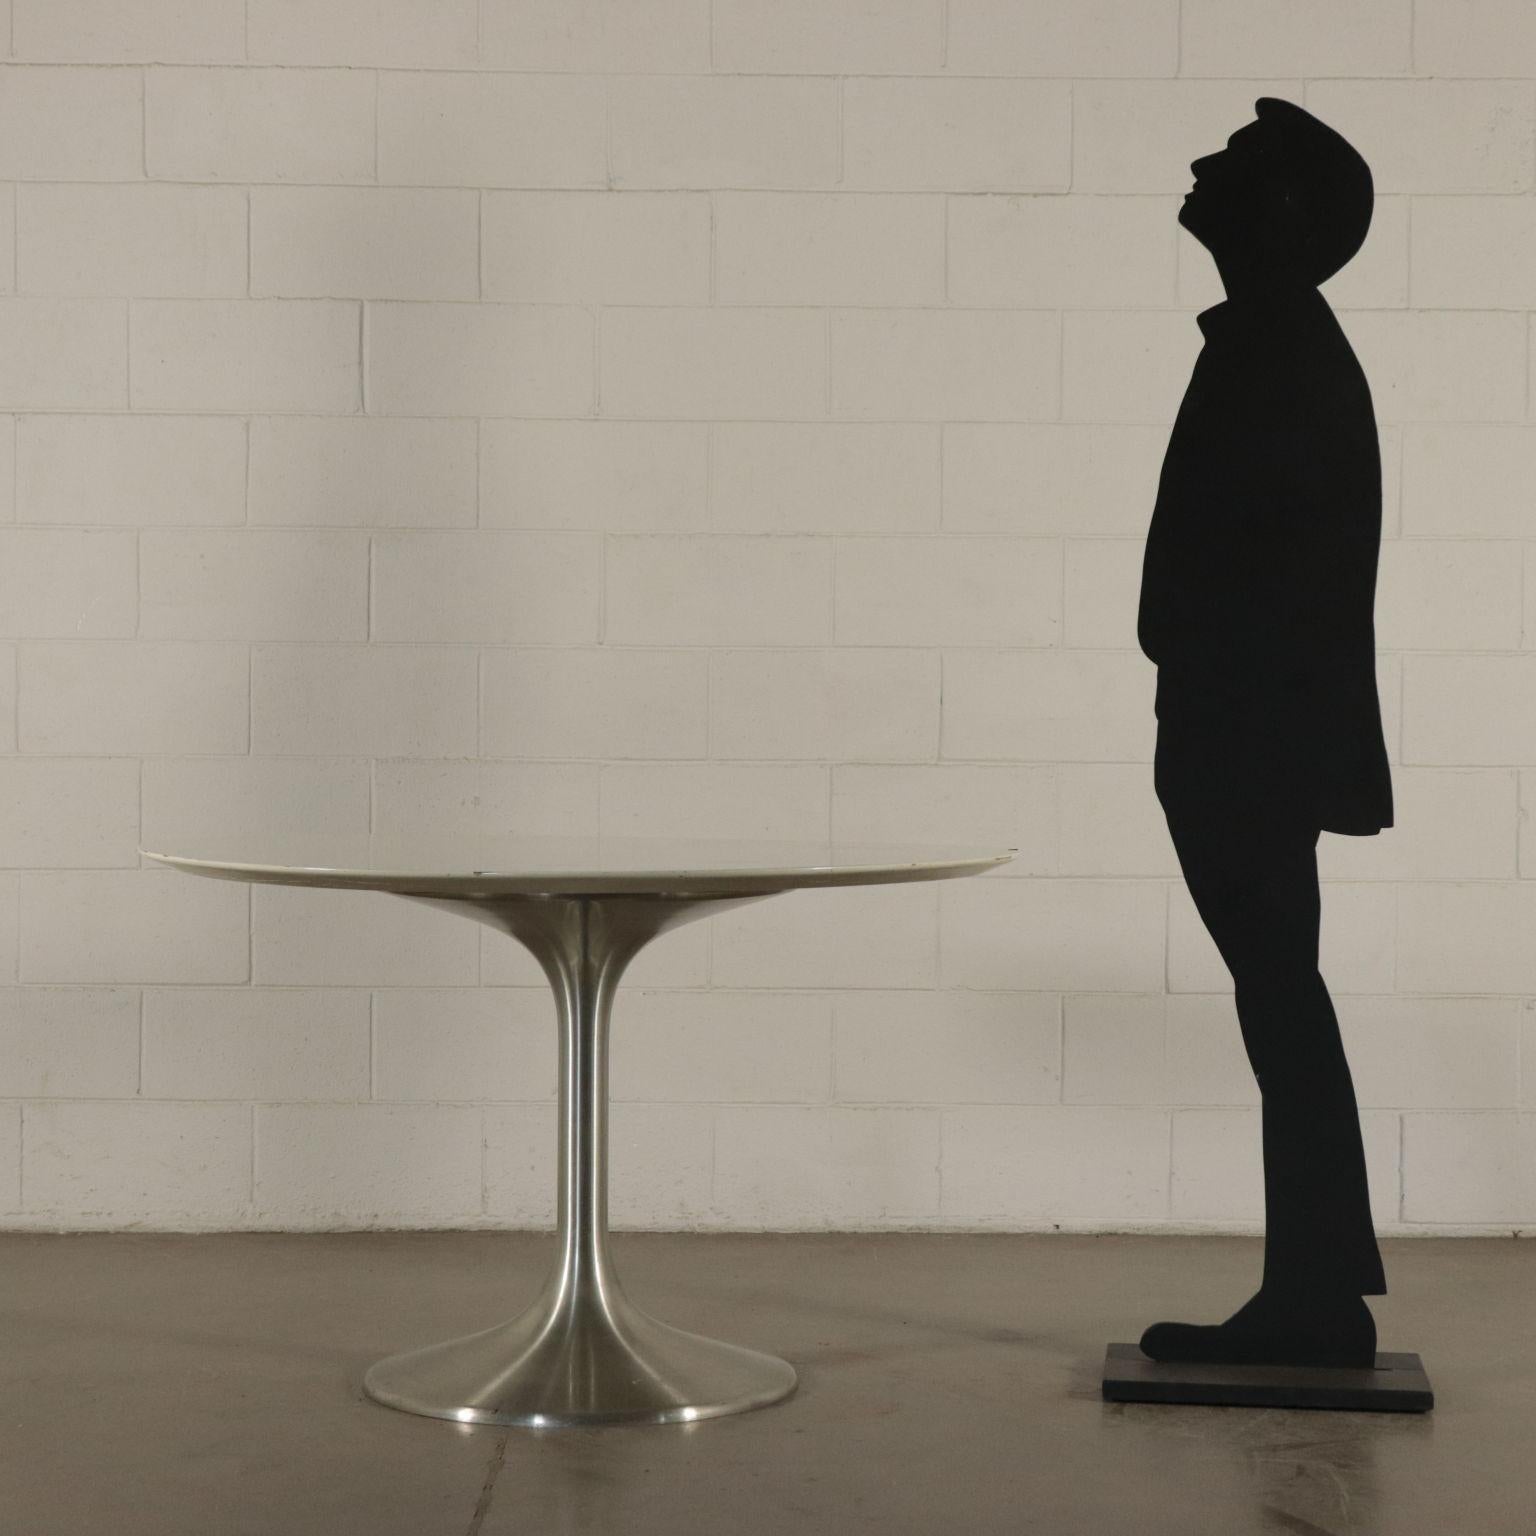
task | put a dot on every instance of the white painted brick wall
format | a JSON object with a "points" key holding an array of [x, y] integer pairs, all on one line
{"points": [[724, 416]]}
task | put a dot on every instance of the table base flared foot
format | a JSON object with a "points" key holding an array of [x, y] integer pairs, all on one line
{"points": [[554, 1369]]}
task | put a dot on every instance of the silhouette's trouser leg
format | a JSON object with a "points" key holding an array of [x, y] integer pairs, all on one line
{"points": [[1254, 883]]}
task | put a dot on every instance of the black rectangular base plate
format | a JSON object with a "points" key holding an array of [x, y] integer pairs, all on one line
{"points": [[1396, 1385]]}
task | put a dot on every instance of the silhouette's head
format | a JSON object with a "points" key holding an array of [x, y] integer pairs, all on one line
{"points": [[1287, 202]]}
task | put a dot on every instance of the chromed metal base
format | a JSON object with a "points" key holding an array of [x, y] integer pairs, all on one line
{"points": [[552, 1369], [582, 1353]]}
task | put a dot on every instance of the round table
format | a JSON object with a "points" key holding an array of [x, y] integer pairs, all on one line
{"points": [[582, 1353]]}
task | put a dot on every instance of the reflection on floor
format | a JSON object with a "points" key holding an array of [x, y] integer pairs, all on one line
{"points": [[209, 1385]]}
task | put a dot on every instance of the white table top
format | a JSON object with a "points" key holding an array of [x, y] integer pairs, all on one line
{"points": [[469, 866]]}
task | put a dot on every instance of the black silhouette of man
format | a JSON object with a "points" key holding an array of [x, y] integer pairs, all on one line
{"points": [[1256, 605]]}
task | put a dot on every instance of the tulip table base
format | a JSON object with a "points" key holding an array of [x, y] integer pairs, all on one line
{"points": [[582, 1353], [565, 1364]]}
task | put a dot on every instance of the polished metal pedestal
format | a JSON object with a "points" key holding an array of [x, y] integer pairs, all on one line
{"points": [[582, 1353]]}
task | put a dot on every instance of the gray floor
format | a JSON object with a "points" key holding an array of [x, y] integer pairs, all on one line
{"points": [[165, 1384]]}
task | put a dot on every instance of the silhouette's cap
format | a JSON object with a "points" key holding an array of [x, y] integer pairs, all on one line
{"points": [[1331, 180]]}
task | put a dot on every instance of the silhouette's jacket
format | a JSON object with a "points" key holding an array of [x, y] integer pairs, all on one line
{"points": [[1256, 605], [1260, 569]]}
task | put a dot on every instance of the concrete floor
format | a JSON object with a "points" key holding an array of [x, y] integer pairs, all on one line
{"points": [[209, 1385]]}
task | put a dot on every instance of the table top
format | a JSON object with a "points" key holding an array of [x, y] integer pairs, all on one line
{"points": [[468, 867]]}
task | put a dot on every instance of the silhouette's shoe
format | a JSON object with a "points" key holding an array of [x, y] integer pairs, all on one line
{"points": [[1271, 1330]]}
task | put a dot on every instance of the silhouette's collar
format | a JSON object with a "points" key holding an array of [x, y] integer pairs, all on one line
{"points": [[1245, 316]]}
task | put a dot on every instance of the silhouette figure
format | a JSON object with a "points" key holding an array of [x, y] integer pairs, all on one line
{"points": [[1256, 605]]}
